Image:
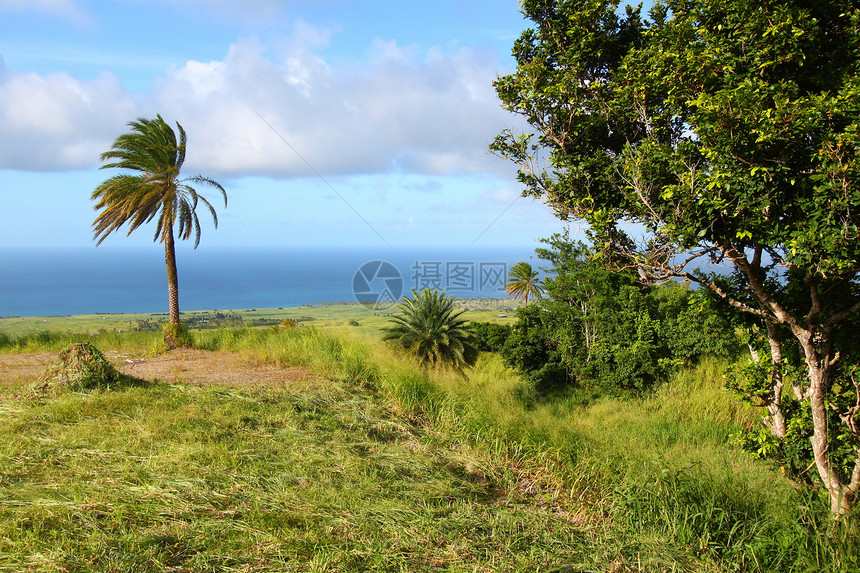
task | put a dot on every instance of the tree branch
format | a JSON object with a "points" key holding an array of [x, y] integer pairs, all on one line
{"points": [[838, 317], [756, 283]]}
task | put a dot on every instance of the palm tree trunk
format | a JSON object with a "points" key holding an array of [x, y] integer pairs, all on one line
{"points": [[172, 276]]}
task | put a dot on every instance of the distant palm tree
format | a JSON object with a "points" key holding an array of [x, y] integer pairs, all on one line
{"points": [[153, 191], [523, 283], [431, 329]]}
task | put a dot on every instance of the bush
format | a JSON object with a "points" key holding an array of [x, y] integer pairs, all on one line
{"points": [[609, 330], [627, 340], [532, 348], [489, 336], [431, 328], [177, 336]]}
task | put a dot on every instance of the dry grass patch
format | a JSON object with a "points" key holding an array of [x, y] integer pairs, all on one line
{"points": [[186, 366], [81, 367], [204, 368], [17, 370]]}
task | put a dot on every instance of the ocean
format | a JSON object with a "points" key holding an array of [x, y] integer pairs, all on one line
{"points": [[89, 280]]}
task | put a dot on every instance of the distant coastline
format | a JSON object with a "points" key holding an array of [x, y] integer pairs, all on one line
{"points": [[330, 314], [62, 282]]}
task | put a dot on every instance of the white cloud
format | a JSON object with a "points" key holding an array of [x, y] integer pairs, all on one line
{"points": [[397, 110], [424, 113], [55, 122]]}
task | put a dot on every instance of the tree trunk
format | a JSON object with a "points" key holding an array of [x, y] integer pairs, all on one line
{"points": [[172, 276], [816, 349], [587, 330], [817, 343], [776, 417]]}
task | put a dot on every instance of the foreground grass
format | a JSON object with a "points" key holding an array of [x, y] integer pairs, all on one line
{"points": [[167, 477], [389, 468]]}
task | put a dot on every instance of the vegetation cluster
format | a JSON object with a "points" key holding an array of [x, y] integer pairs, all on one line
{"points": [[207, 320], [715, 133], [608, 330]]}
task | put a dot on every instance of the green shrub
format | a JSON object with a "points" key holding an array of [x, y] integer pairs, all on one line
{"points": [[607, 330], [489, 336], [430, 328], [177, 336], [532, 348]]}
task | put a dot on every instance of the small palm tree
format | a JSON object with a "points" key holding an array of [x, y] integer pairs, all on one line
{"points": [[523, 282], [431, 329], [153, 191]]}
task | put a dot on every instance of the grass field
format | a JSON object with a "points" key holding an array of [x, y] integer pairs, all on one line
{"points": [[210, 479], [321, 315], [356, 460]]}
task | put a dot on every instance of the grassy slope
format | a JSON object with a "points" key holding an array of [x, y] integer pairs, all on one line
{"points": [[208, 479], [160, 477], [390, 469]]}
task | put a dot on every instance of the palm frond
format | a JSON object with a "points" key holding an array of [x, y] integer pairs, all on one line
{"points": [[211, 183], [153, 150], [523, 282], [180, 150], [430, 327]]}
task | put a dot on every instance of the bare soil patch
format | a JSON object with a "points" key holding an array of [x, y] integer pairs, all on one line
{"points": [[23, 369], [186, 366]]}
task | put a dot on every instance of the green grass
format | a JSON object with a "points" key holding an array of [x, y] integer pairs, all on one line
{"points": [[335, 315], [391, 468], [136, 342], [209, 479]]}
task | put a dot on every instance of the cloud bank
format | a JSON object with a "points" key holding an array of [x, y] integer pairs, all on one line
{"points": [[56, 122], [392, 109]]}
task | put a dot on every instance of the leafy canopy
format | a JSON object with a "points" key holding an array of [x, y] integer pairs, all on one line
{"points": [[719, 126]]}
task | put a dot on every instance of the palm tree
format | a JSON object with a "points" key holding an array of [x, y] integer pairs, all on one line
{"points": [[153, 191], [431, 329], [523, 282]]}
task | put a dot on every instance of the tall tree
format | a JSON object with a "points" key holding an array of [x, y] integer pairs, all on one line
{"points": [[430, 327], [729, 130], [523, 282], [153, 191]]}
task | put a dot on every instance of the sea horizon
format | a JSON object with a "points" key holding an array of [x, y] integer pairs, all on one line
{"points": [[67, 281]]}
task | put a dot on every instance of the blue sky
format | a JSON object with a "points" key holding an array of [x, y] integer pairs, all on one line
{"points": [[391, 103]]}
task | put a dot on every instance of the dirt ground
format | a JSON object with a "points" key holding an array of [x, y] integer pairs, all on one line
{"points": [[198, 367]]}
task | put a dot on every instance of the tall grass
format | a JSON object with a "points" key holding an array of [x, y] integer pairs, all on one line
{"points": [[179, 478], [139, 342], [652, 481], [340, 357], [656, 472], [659, 470]]}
